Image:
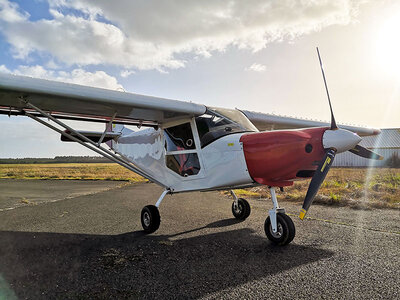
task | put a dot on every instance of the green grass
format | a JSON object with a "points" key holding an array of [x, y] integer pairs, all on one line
{"points": [[68, 171], [346, 187], [342, 186]]}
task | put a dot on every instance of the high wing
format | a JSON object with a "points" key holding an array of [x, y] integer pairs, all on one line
{"points": [[275, 122], [77, 102]]}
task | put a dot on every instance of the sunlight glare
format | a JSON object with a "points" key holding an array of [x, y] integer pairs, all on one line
{"points": [[388, 45]]}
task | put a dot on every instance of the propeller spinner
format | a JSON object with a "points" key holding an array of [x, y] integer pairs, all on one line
{"points": [[335, 140]]}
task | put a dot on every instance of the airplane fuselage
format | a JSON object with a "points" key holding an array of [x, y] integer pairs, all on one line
{"points": [[274, 158]]}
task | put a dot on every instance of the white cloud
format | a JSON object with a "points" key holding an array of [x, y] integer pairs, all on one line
{"points": [[51, 64], [4, 69], [153, 34], [78, 76], [9, 12], [256, 68], [126, 73]]}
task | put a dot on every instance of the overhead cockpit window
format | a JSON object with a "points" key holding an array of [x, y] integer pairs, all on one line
{"points": [[213, 125], [179, 138]]}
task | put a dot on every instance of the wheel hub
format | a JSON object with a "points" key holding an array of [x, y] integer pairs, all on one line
{"points": [[278, 233], [237, 208], [146, 219]]}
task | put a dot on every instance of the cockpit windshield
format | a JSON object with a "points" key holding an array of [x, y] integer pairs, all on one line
{"points": [[217, 122], [236, 116]]}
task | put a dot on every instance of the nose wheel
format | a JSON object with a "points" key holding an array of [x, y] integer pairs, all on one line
{"points": [[285, 230], [278, 227]]}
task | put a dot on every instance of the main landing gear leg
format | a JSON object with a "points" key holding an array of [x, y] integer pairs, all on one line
{"points": [[240, 207], [150, 216], [279, 227]]}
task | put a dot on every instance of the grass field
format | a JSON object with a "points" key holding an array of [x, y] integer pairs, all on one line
{"points": [[358, 188], [92, 171]]}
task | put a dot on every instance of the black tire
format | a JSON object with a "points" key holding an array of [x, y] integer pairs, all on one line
{"points": [[150, 218], [286, 230], [242, 211]]}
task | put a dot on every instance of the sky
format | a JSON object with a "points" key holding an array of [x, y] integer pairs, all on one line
{"points": [[256, 55]]}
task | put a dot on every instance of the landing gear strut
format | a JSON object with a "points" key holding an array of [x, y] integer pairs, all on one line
{"points": [[150, 216], [279, 227], [240, 207]]}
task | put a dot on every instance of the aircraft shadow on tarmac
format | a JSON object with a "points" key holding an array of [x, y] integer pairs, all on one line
{"points": [[135, 265]]}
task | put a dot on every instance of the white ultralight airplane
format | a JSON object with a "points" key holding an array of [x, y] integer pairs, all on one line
{"points": [[190, 147]]}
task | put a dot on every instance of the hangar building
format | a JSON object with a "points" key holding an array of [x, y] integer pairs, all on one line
{"points": [[386, 144]]}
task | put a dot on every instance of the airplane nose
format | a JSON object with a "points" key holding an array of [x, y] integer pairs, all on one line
{"points": [[340, 139]]}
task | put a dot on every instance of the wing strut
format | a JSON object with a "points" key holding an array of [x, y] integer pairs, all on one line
{"points": [[84, 141], [105, 130]]}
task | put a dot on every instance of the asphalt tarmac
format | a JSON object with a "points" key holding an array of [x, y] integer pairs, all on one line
{"points": [[81, 239]]}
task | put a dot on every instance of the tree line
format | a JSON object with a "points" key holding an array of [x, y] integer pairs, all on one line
{"points": [[55, 160]]}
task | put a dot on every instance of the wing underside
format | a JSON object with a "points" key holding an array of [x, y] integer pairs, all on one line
{"points": [[76, 102], [71, 101]]}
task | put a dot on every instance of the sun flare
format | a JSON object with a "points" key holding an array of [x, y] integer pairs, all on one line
{"points": [[388, 45]]}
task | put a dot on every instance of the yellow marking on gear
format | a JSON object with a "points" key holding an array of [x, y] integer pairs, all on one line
{"points": [[302, 213], [231, 144], [113, 125], [327, 161]]}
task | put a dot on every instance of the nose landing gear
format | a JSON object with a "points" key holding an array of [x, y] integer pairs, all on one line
{"points": [[285, 230], [279, 227]]}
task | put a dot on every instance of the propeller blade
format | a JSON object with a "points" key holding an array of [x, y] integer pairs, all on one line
{"points": [[317, 180], [364, 152], [333, 122]]}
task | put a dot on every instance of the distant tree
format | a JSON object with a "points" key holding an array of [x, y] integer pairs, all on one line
{"points": [[57, 159]]}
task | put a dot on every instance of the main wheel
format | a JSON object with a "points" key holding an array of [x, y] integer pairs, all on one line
{"points": [[150, 218], [286, 230], [242, 210]]}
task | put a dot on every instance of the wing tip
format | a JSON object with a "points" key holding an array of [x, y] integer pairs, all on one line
{"points": [[376, 131]]}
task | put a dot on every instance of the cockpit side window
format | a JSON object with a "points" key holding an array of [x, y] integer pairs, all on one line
{"points": [[181, 154], [184, 164], [179, 138]]}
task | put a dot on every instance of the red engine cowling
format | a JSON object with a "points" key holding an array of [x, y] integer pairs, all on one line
{"points": [[276, 158]]}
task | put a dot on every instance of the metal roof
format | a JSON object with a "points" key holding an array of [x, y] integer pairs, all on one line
{"points": [[388, 138]]}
